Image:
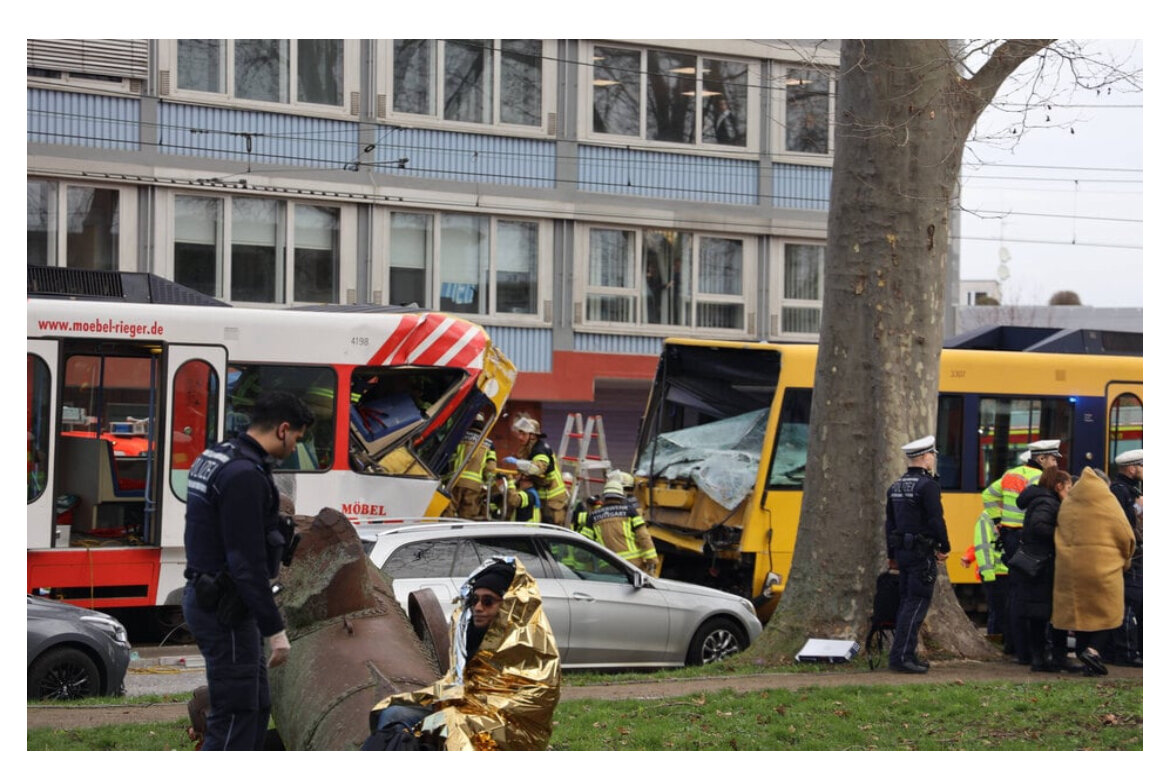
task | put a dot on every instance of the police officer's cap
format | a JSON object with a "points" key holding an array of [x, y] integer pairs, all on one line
{"points": [[1132, 457], [1046, 447], [919, 447]]}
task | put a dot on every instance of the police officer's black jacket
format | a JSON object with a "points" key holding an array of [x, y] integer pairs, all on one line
{"points": [[232, 506], [914, 507], [1127, 491]]}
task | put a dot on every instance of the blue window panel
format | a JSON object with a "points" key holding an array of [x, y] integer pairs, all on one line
{"points": [[529, 349], [82, 120], [619, 171], [269, 138], [617, 343], [426, 154], [801, 187]]}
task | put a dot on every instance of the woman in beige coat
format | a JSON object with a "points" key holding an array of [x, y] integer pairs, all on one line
{"points": [[1094, 543]]}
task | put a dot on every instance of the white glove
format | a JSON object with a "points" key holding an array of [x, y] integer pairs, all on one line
{"points": [[280, 647], [524, 466]]}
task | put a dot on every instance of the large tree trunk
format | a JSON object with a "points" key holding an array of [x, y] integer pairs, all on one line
{"points": [[903, 116]]}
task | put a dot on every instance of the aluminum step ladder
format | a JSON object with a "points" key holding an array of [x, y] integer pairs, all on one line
{"points": [[587, 468]]}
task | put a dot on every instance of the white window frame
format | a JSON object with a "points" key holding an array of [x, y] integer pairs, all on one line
{"points": [[126, 259], [779, 302], [168, 55], [346, 246], [380, 264], [748, 122], [548, 93], [582, 290], [780, 125]]}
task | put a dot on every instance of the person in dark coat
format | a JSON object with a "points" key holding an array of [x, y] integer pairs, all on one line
{"points": [[1126, 645], [1041, 503]]}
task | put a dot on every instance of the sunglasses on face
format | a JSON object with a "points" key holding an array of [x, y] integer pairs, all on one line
{"points": [[487, 600]]}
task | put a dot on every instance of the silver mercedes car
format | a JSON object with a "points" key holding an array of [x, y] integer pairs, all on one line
{"points": [[605, 613]]}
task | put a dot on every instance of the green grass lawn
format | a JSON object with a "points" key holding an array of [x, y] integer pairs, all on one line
{"points": [[1098, 714]]}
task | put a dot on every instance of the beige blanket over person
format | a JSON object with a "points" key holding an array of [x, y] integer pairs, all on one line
{"points": [[1094, 543]]}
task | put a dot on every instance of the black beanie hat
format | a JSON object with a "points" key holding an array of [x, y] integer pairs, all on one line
{"points": [[496, 577]]}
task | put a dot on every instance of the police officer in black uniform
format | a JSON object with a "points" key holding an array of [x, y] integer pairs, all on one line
{"points": [[236, 540], [1126, 642], [916, 537]]}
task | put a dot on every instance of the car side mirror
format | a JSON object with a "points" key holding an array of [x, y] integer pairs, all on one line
{"points": [[638, 578]]}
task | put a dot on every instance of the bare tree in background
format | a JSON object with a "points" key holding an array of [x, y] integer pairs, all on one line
{"points": [[1065, 298], [905, 110]]}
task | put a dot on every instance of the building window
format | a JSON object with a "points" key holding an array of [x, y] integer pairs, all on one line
{"points": [[665, 278], [611, 294], [802, 289], [411, 244], [257, 239], [260, 235], [316, 257], [483, 265], [807, 111], [471, 81], [42, 222], [517, 253], [199, 243], [275, 71], [74, 225], [667, 96], [202, 66]]}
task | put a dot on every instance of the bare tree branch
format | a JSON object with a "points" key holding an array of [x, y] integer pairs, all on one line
{"points": [[1004, 60]]}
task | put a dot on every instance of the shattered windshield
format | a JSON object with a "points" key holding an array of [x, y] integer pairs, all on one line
{"points": [[721, 457]]}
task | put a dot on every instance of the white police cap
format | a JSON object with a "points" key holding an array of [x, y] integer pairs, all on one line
{"points": [[1025, 456], [1132, 457], [1046, 447], [919, 447]]}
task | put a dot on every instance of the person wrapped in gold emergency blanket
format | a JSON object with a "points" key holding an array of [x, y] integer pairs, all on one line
{"points": [[504, 681]]}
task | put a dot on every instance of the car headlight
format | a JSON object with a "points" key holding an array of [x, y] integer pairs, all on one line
{"points": [[111, 627]]}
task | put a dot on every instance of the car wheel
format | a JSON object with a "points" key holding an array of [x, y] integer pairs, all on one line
{"points": [[715, 640], [63, 673]]}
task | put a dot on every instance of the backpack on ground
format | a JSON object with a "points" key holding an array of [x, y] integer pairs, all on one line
{"points": [[884, 618]]}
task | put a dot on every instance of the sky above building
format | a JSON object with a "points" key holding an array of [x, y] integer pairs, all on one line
{"points": [[1058, 205]]}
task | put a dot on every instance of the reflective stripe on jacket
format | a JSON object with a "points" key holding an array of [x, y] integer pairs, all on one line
{"points": [[999, 499], [988, 558]]}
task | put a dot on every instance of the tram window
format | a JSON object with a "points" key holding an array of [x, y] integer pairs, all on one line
{"points": [[38, 426], [949, 440], [315, 385], [790, 453], [193, 419], [1008, 425], [1125, 424]]}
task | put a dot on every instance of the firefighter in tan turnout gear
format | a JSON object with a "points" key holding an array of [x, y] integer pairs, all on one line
{"points": [[618, 526], [469, 491], [536, 460]]}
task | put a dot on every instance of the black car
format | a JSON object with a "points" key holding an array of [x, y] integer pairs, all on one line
{"points": [[74, 652]]}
